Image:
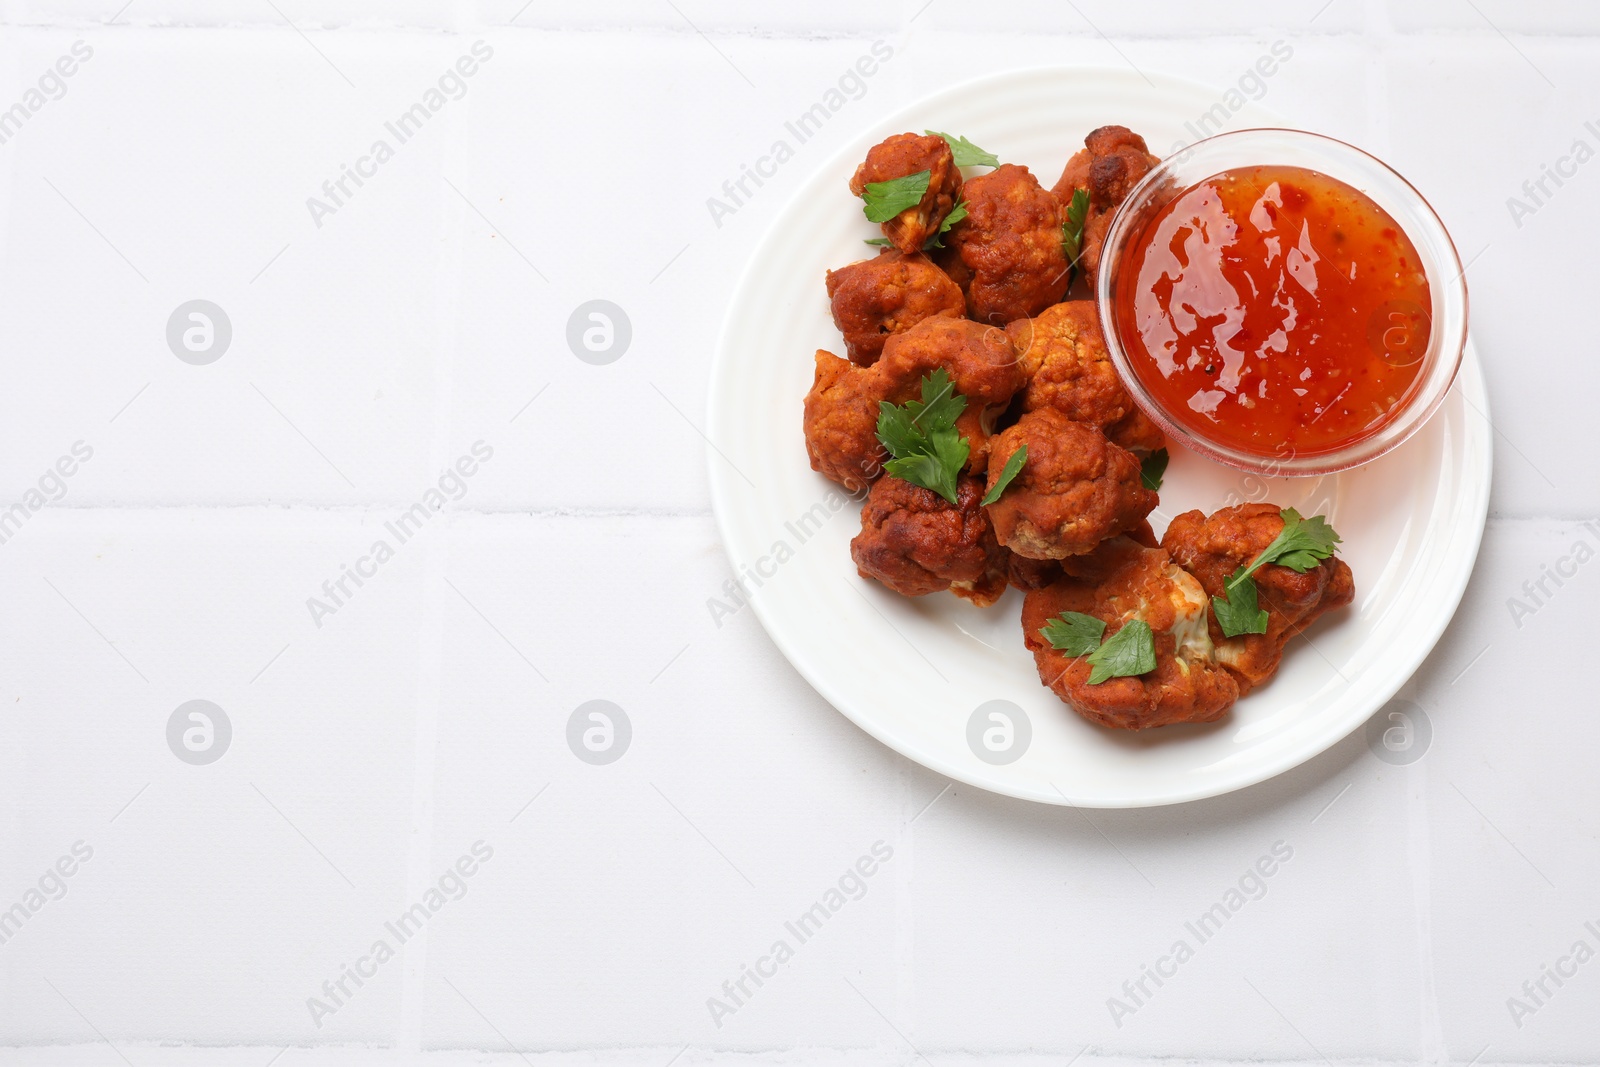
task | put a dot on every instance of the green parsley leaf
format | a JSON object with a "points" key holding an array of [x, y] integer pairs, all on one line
{"points": [[951, 450], [1241, 612], [936, 465], [1131, 651], [930, 471], [1300, 545], [941, 405], [922, 438], [1012, 468], [1072, 231], [882, 201], [1074, 633], [881, 242], [965, 152], [957, 213], [896, 430], [1305, 542], [1153, 468]]}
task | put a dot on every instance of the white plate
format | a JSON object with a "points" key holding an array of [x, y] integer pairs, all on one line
{"points": [[912, 672]]}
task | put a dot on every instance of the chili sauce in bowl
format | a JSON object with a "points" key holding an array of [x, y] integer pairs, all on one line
{"points": [[1278, 317]]}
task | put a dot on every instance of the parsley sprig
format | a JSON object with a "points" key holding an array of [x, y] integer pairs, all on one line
{"points": [[1153, 468], [1300, 545], [1012, 468], [1241, 612], [922, 437], [965, 152], [1072, 232], [1074, 633], [1130, 652], [882, 201]]}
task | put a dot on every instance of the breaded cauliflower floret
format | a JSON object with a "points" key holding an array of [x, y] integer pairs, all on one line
{"points": [[1109, 165], [1075, 490], [1214, 548], [980, 361], [841, 422], [916, 542], [1064, 357], [841, 410], [1122, 581], [877, 298], [1006, 254], [1112, 162], [1135, 432], [900, 156], [1025, 573]]}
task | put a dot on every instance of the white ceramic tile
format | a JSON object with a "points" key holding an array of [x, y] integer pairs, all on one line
{"points": [[1511, 800], [233, 888], [627, 893], [1516, 260], [635, 231], [1493, 18], [327, 389], [1078, 909], [1095, 20]]}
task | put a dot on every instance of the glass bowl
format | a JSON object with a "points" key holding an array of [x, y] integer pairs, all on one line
{"points": [[1274, 147]]}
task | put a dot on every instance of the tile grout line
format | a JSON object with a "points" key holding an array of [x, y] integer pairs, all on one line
{"points": [[666, 29], [905, 915], [1379, 27], [448, 271], [1419, 849], [580, 512], [454, 509], [903, 1003]]}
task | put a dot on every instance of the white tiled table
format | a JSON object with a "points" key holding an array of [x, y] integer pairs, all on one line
{"points": [[372, 751]]}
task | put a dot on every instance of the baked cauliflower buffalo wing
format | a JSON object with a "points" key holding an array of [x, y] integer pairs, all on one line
{"points": [[841, 410], [1025, 573], [1006, 254], [916, 542], [1075, 490], [1124, 580], [1213, 548], [877, 298], [841, 422], [1111, 163], [901, 156], [1062, 352], [980, 361]]}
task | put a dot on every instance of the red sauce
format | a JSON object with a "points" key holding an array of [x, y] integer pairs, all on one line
{"points": [[1275, 310]]}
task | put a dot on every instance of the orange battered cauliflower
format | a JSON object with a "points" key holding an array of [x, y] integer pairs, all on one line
{"points": [[1075, 490], [1006, 254], [1063, 354], [1120, 582], [900, 156], [841, 410], [916, 542], [1112, 162], [877, 298], [1214, 548]]}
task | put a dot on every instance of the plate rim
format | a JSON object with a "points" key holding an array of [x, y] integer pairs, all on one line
{"points": [[1469, 379]]}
